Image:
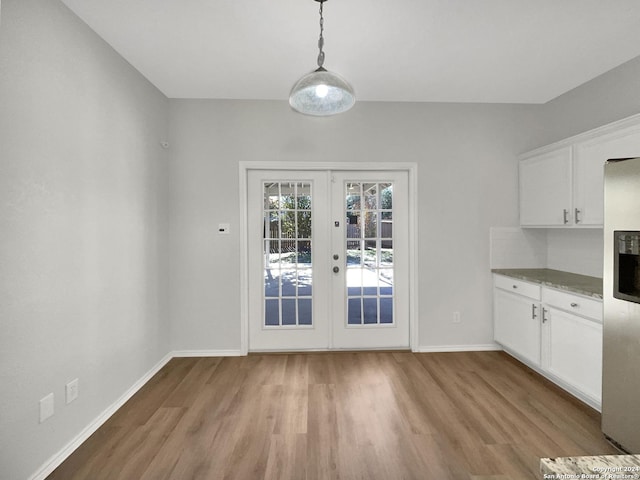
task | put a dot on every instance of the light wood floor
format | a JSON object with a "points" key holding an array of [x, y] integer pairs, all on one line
{"points": [[366, 415]]}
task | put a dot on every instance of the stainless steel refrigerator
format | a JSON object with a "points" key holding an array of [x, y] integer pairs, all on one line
{"points": [[621, 296]]}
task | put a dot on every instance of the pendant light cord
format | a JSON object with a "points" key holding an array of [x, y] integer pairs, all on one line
{"points": [[321, 39]]}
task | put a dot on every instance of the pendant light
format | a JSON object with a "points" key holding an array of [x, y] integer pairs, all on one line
{"points": [[321, 93]]}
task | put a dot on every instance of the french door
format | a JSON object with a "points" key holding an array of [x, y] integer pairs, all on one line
{"points": [[328, 260]]}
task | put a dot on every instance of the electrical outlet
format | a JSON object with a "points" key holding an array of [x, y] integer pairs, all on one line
{"points": [[72, 391], [46, 407], [456, 317]]}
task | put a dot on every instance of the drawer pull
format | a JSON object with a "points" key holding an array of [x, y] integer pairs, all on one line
{"points": [[515, 286], [574, 304]]}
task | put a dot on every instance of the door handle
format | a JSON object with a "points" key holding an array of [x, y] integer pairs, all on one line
{"points": [[336, 269], [544, 315], [576, 213], [565, 212], [533, 311]]}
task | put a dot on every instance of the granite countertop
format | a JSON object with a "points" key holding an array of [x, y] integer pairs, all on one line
{"points": [[600, 467], [571, 282]]}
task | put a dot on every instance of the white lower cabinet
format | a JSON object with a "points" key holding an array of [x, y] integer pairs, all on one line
{"points": [[556, 333], [516, 324], [572, 351]]}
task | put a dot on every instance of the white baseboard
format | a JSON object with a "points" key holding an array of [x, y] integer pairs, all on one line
{"points": [[460, 348], [54, 462], [206, 353]]}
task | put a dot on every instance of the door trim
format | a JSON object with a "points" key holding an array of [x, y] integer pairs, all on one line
{"points": [[412, 171]]}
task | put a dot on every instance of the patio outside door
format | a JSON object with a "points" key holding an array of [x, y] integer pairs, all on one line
{"points": [[328, 260]]}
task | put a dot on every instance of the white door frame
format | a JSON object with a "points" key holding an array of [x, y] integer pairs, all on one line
{"points": [[412, 170]]}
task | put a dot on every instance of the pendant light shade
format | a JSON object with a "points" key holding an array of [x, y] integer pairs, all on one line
{"points": [[321, 93]]}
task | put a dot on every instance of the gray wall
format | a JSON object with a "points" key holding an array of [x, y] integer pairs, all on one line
{"points": [[83, 226], [467, 183], [605, 99]]}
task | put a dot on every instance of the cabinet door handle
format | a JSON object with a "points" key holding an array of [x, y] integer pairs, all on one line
{"points": [[533, 311], [565, 214], [574, 305], [544, 315], [576, 213]]}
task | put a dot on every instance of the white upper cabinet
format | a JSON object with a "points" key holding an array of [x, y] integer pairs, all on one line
{"points": [[545, 188], [562, 185], [588, 160]]}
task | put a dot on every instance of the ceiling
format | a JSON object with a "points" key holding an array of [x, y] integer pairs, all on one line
{"points": [[502, 51]]}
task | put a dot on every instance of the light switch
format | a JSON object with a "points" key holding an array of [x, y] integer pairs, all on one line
{"points": [[223, 229]]}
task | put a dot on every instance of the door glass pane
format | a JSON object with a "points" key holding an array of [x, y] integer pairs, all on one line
{"points": [[370, 196], [271, 282], [303, 226], [304, 311], [354, 314], [354, 253], [272, 312], [354, 282], [304, 282], [304, 254], [386, 253], [288, 282], [370, 310], [368, 210], [289, 312], [370, 225], [303, 196], [386, 310], [288, 270]]}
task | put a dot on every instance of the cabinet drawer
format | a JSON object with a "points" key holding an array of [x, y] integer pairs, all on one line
{"points": [[520, 287], [587, 307]]}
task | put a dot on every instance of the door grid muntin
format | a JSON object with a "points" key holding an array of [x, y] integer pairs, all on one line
{"points": [[368, 209], [287, 255]]}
